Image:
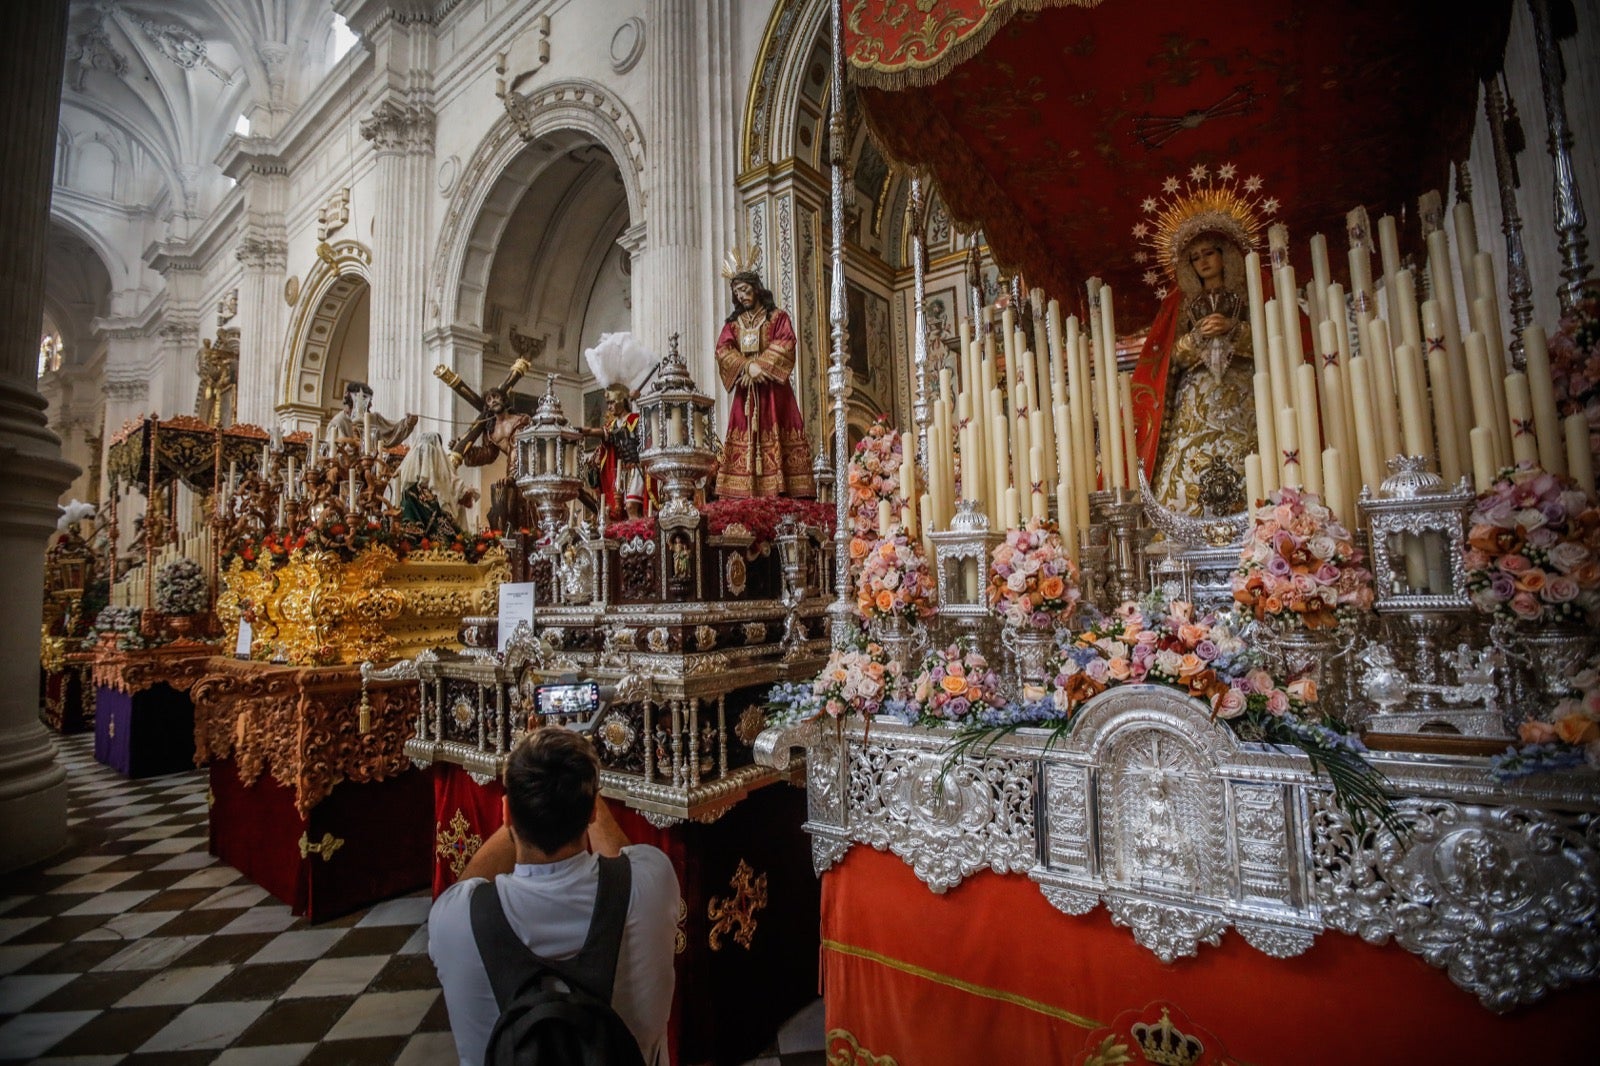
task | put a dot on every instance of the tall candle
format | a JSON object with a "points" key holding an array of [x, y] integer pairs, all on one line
{"points": [[1383, 384], [1112, 445], [1580, 460], [366, 431], [1484, 467], [1389, 252], [1334, 492], [1546, 421], [1404, 311], [1451, 463], [1282, 380], [1484, 410], [1013, 508], [311, 447], [1369, 446], [1466, 231], [1488, 290], [352, 489], [1305, 381], [924, 522], [1519, 406], [1411, 394], [1130, 441], [1253, 491], [233, 475], [1266, 431], [1331, 383], [1321, 276], [1038, 503], [1289, 449], [1258, 309]]}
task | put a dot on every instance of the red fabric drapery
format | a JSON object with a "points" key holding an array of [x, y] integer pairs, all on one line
{"points": [[991, 972], [1051, 134]]}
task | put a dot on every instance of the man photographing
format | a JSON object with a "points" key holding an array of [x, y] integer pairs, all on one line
{"points": [[544, 866]]}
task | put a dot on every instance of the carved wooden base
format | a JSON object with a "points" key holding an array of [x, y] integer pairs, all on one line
{"points": [[67, 698], [302, 725], [144, 733], [362, 843]]}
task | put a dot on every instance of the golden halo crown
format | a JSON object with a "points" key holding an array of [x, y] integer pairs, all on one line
{"points": [[1207, 201], [738, 261]]}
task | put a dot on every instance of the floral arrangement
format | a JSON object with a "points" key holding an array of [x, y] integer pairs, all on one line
{"points": [[1570, 738], [1533, 548], [895, 581], [761, 516], [855, 680], [956, 682], [123, 621], [1300, 566], [1168, 644], [874, 475], [181, 588], [1032, 580], [348, 539], [1575, 363]]}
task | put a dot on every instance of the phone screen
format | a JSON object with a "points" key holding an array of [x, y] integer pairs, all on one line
{"points": [[579, 700]]}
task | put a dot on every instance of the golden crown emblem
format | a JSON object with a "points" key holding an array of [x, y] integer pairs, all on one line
{"points": [[1163, 1044], [738, 261], [1207, 201]]}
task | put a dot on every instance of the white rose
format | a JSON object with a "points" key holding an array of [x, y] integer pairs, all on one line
{"points": [[1017, 582], [1169, 662], [1530, 518], [1568, 556], [1323, 547], [891, 580]]}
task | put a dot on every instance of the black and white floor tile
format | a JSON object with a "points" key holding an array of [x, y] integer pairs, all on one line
{"points": [[138, 946]]}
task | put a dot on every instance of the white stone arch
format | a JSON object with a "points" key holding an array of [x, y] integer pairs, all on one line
{"points": [[775, 81], [343, 270], [116, 265], [492, 180]]}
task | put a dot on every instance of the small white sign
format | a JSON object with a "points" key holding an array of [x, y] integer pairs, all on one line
{"points": [[241, 648], [516, 605]]}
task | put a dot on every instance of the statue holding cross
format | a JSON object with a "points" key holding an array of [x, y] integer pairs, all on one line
{"points": [[493, 434]]}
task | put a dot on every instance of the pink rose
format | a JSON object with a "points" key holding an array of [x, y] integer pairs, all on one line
{"points": [[1525, 605], [1277, 701], [1561, 589], [1515, 564], [1260, 681], [1229, 704]]}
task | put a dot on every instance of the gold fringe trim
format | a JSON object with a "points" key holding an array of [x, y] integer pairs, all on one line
{"points": [[999, 995], [914, 73]]}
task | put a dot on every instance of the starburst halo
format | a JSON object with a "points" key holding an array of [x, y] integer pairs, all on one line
{"points": [[1210, 201]]}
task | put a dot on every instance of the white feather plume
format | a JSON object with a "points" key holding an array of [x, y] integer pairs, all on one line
{"points": [[619, 359], [73, 512]]}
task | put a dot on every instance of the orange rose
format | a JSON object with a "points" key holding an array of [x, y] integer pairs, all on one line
{"points": [[1586, 575], [1272, 605], [1577, 729], [1536, 732], [885, 600], [1191, 665], [1305, 688], [1191, 634], [953, 685], [1052, 588], [1531, 580], [1120, 669]]}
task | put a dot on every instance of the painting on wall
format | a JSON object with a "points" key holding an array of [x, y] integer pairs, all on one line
{"points": [[943, 313], [594, 407]]}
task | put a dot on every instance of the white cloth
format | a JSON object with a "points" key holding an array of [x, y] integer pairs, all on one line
{"points": [[428, 459], [550, 906]]}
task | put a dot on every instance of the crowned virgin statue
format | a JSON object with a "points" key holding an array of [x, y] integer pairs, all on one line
{"points": [[1193, 387], [765, 452]]}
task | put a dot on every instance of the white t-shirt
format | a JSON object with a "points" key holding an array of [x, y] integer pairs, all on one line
{"points": [[550, 906]]}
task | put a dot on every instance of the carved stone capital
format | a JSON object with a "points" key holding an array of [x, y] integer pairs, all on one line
{"points": [[401, 128], [259, 252]]}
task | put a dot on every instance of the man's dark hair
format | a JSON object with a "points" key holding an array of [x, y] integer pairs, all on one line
{"points": [[551, 781]]}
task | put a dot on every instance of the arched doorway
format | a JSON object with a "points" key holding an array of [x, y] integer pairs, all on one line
{"points": [[329, 336], [77, 288]]}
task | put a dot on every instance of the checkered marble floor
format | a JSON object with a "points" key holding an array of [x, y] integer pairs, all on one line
{"points": [[135, 945]]}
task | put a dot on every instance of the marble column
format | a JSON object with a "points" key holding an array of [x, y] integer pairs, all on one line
{"points": [[401, 132], [675, 260], [33, 787], [264, 253]]}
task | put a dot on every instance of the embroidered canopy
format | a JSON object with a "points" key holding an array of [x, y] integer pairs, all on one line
{"points": [[1047, 122]]}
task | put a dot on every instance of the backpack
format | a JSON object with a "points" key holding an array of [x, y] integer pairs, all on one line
{"points": [[541, 1024]]}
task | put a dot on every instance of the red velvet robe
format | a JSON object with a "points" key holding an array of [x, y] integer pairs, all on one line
{"points": [[765, 451]]}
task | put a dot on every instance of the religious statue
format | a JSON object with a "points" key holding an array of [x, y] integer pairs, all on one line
{"points": [[350, 423], [430, 496], [1193, 388], [621, 366], [218, 367], [765, 450], [497, 425]]}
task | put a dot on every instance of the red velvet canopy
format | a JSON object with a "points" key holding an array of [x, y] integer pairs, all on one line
{"points": [[1046, 122]]}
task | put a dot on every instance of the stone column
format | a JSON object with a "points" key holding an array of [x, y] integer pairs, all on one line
{"points": [[675, 261], [264, 253], [33, 788], [401, 131]]}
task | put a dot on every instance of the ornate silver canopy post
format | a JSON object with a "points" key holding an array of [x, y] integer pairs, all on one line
{"points": [[838, 374], [922, 408], [1518, 288], [1570, 220]]}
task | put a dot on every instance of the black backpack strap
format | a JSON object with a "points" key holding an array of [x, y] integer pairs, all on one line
{"points": [[511, 964], [507, 960]]}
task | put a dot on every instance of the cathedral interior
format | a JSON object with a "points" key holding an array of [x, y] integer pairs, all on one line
{"points": [[1130, 467]]}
